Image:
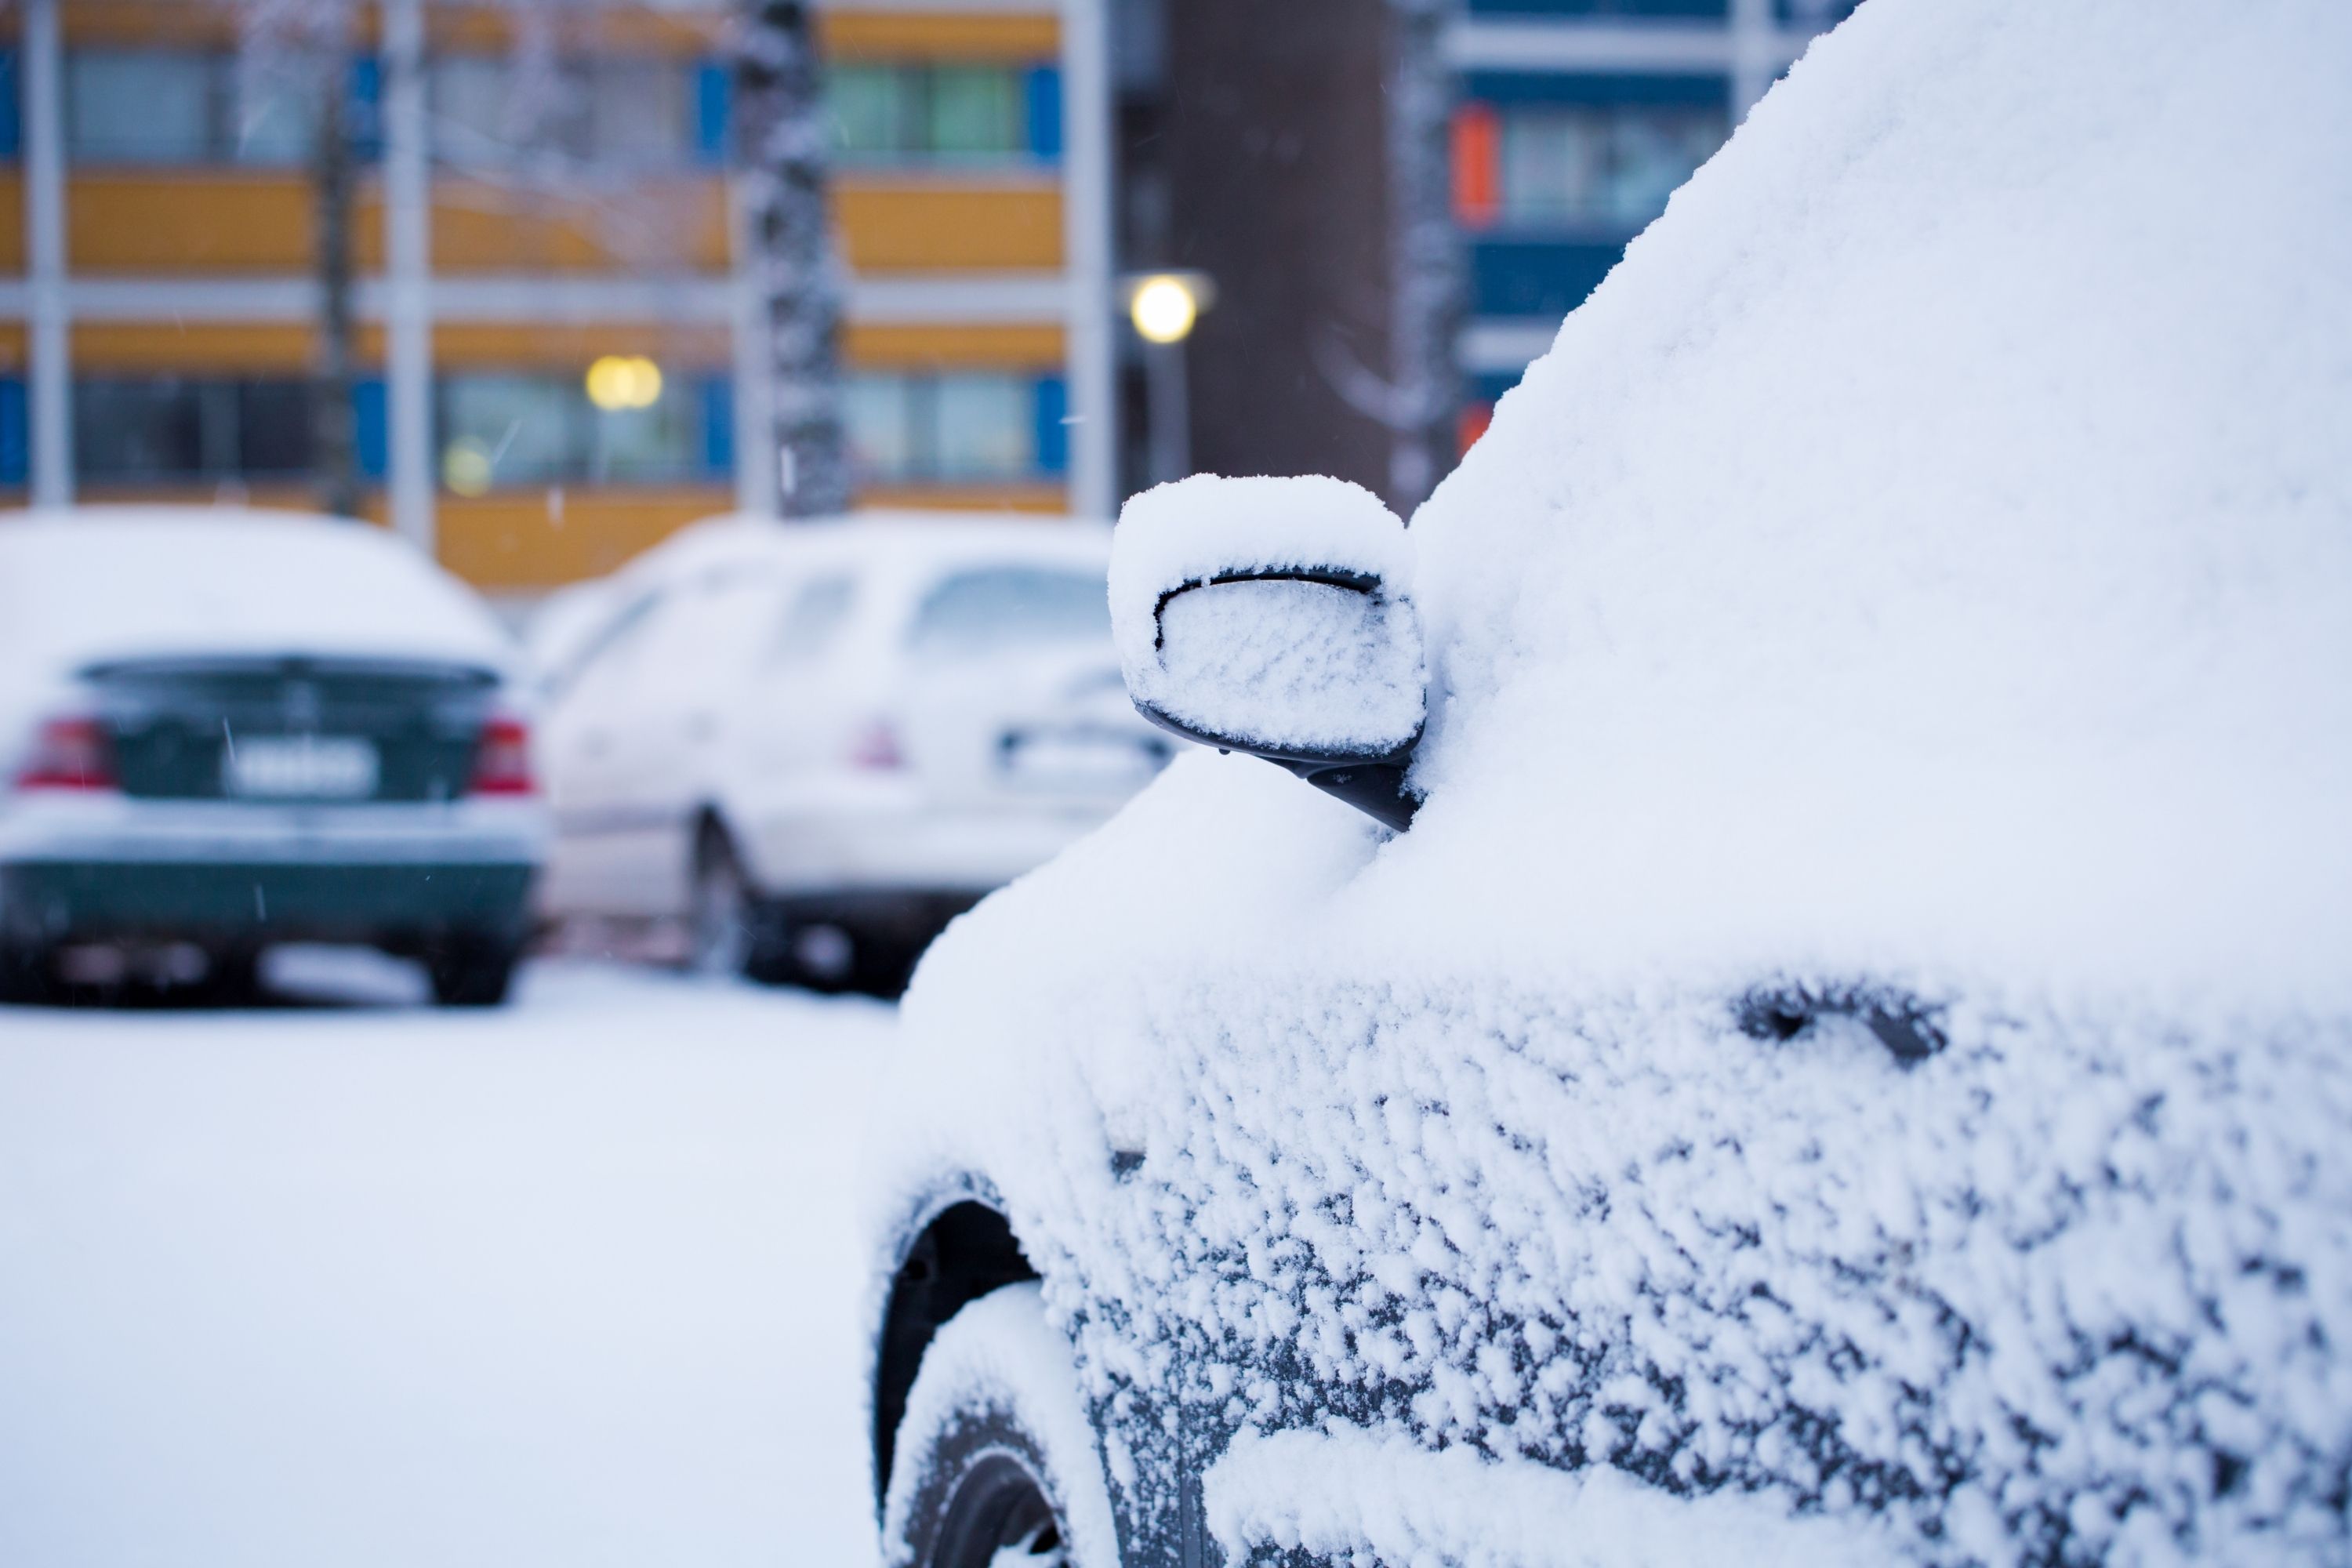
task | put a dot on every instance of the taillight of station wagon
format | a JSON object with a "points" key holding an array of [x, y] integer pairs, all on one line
{"points": [[71, 751], [502, 759]]}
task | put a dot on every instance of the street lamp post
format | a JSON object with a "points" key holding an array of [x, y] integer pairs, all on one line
{"points": [[1163, 308]]}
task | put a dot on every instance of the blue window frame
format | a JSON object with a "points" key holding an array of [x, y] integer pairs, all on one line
{"points": [[1053, 394], [714, 110], [718, 424], [1043, 87], [370, 414], [15, 435], [12, 119]]}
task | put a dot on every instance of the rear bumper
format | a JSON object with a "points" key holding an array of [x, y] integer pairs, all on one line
{"points": [[88, 901], [101, 867]]}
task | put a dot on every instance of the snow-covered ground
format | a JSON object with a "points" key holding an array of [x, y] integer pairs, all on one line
{"points": [[568, 1282]]}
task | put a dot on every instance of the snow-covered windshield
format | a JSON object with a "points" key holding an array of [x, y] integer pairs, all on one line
{"points": [[992, 609]]}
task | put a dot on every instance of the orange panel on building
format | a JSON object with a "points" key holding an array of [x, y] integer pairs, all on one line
{"points": [[874, 345], [524, 345], [209, 221], [524, 541], [1025, 500], [933, 226], [940, 35], [197, 347], [674, 226], [11, 221]]}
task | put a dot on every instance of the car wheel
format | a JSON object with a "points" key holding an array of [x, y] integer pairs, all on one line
{"points": [[996, 1463], [718, 922], [472, 971], [232, 977], [28, 973]]}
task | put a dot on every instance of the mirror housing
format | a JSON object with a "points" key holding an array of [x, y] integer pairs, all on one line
{"points": [[1271, 617]]}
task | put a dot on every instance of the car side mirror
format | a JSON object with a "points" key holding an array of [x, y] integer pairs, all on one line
{"points": [[1272, 616]]}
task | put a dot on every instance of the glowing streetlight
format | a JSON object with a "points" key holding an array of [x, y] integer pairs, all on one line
{"points": [[466, 467], [624, 380], [1163, 308]]}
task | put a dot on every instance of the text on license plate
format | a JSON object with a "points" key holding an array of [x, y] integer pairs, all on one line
{"points": [[300, 767]]}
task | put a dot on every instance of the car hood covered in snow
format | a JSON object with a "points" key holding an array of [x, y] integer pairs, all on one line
{"points": [[1925, 564]]}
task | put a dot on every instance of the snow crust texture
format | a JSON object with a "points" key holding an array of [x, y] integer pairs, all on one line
{"points": [[1283, 664]]}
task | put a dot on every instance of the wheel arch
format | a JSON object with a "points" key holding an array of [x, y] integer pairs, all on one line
{"points": [[957, 1248]]}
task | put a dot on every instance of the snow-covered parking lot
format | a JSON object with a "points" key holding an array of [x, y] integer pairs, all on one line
{"points": [[362, 1282]]}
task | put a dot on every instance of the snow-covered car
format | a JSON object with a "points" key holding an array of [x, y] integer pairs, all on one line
{"points": [[808, 746], [1829, 1038], [221, 730]]}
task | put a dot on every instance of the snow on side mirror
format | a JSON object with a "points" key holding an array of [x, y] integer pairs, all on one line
{"points": [[1272, 617]]}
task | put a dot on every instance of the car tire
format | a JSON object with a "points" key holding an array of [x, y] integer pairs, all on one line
{"points": [[995, 1460], [232, 978], [28, 974], [722, 913], [472, 971]]}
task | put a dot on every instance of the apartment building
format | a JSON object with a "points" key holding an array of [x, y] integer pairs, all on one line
{"points": [[556, 333], [1576, 119], [1255, 146]]}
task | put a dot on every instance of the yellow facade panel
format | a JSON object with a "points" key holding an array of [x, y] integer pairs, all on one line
{"points": [[868, 345], [680, 32], [675, 224], [570, 346], [1021, 499], [901, 226], [148, 24], [220, 221], [191, 222], [527, 539], [850, 35], [201, 347], [11, 221]]}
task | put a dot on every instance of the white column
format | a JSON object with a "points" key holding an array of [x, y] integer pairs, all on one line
{"points": [[1756, 54], [1087, 258], [409, 265], [50, 414]]}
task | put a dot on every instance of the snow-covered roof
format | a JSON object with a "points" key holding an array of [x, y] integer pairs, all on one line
{"points": [[95, 584]]}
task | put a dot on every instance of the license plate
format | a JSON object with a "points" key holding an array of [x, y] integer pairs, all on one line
{"points": [[1080, 762], [300, 767]]}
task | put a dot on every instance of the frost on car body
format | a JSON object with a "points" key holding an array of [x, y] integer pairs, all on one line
{"points": [[1920, 572]]}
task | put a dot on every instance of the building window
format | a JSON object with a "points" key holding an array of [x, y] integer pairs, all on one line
{"points": [[1601, 166], [164, 428], [163, 106], [943, 429], [950, 111], [532, 429], [493, 112]]}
